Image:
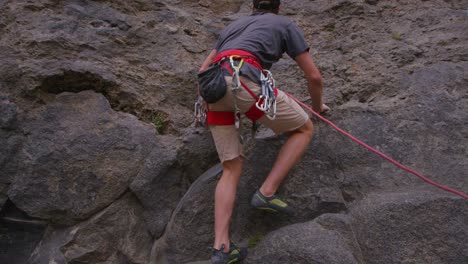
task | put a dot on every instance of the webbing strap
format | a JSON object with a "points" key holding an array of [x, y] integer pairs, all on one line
{"points": [[254, 113], [220, 118]]}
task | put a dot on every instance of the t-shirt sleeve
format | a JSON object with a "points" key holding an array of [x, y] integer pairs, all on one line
{"points": [[217, 44], [295, 41]]}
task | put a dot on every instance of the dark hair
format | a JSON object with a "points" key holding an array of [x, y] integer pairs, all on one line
{"points": [[266, 4]]}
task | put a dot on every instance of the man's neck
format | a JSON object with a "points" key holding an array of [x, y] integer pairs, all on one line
{"points": [[263, 11]]}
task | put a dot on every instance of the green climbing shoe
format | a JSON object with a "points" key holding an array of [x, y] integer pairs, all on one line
{"points": [[234, 255], [271, 204]]}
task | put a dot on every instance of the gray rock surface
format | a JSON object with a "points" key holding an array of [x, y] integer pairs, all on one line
{"points": [[118, 234], [96, 101], [412, 226], [191, 223], [8, 115], [11, 140], [79, 156], [168, 172], [302, 243]]}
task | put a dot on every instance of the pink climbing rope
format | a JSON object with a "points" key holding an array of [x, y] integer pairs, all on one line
{"points": [[399, 165]]}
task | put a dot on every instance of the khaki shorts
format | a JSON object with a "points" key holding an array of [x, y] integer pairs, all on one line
{"points": [[289, 116]]}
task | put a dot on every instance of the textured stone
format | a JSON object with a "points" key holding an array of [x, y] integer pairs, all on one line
{"points": [[394, 75], [10, 142], [167, 175], [116, 235], [302, 243], [191, 222], [412, 226], [79, 156], [8, 114]]}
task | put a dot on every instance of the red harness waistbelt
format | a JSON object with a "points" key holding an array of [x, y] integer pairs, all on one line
{"points": [[247, 56]]}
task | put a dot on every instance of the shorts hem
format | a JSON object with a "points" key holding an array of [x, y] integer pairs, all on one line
{"points": [[232, 158]]}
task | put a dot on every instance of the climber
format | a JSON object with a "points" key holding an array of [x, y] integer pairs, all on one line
{"points": [[245, 50]]}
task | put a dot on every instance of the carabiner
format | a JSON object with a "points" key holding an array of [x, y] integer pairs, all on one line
{"points": [[262, 104], [199, 112], [236, 72], [271, 113]]}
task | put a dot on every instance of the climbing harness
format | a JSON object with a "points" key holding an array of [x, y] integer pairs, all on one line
{"points": [[232, 61]]}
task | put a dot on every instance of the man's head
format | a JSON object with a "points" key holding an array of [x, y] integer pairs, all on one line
{"points": [[266, 5]]}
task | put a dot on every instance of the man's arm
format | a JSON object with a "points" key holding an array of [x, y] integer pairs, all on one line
{"points": [[314, 80], [208, 60]]}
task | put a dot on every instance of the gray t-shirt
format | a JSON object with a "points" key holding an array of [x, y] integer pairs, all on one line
{"points": [[266, 35]]}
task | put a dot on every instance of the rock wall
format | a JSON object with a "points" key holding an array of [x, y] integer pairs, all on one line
{"points": [[100, 163]]}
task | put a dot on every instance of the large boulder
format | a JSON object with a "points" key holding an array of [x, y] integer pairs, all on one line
{"points": [[302, 244], [158, 185], [11, 141], [79, 156], [191, 223], [9, 113], [412, 226], [320, 184], [117, 234], [167, 174]]}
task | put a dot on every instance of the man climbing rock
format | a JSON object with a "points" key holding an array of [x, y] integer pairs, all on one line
{"points": [[244, 52]]}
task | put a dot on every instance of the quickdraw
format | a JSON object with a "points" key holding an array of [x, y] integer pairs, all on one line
{"points": [[199, 112], [268, 104], [266, 101], [236, 85]]}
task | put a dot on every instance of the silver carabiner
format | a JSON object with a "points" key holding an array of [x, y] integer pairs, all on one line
{"points": [[270, 79], [262, 104], [271, 113], [267, 99], [235, 75], [199, 112]]}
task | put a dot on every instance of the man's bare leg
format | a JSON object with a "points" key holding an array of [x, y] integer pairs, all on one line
{"points": [[289, 155], [225, 196]]}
